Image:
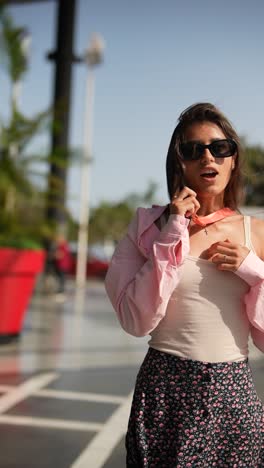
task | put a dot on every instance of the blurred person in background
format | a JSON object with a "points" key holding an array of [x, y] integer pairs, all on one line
{"points": [[62, 261], [191, 275]]}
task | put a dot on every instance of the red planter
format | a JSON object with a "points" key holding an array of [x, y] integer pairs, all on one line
{"points": [[18, 272]]}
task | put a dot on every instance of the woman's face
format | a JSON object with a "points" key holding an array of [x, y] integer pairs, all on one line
{"points": [[196, 172]]}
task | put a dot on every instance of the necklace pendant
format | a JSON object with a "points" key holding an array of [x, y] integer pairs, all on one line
{"points": [[206, 232]]}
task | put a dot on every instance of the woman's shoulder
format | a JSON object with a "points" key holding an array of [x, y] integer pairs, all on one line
{"points": [[149, 214], [144, 218], [152, 210], [257, 226]]}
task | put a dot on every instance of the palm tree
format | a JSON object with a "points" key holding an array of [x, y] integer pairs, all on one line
{"points": [[17, 191]]}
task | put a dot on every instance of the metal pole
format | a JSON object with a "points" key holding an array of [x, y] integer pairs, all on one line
{"points": [[63, 58], [82, 247], [93, 57]]}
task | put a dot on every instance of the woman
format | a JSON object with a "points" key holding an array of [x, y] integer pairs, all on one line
{"points": [[191, 274], [62, 261]]}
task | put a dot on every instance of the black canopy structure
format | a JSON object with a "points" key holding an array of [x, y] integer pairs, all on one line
{"points": [[63, 58]]}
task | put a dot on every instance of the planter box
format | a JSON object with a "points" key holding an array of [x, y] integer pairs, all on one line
{"points": [[18, 273]]}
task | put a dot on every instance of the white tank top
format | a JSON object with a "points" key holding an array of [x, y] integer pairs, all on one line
{"points": [[206, 318]]}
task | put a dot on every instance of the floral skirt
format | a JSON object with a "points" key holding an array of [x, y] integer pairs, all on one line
{"points": [[194, 414]]}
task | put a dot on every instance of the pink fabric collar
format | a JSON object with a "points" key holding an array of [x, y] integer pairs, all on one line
{"points": [[213, 217]]}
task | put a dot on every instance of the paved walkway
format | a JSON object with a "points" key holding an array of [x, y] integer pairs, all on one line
{"points": [[66, 385]]}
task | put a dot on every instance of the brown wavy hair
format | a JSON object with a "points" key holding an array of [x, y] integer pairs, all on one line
{"points": [[203, 112]]}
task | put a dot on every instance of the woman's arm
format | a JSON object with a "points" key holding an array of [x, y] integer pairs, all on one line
{"points": [[257, 338], [250, 267], [139, 287], [251, 270]]}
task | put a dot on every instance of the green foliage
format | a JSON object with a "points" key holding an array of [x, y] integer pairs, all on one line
{"points": [[20, 130], [136, 199], [20, 244], [109, 221], [15, 164], [254, 175], [22, 217], [11, 53]]}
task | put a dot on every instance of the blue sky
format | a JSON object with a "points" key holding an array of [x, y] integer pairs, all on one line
{"points": [[160, 57]]}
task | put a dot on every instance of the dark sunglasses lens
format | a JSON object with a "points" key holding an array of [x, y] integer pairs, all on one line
{"points": [[223, 148], [191, 151]]}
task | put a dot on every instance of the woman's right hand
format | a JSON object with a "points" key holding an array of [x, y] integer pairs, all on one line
{"points": [[184, 203]]}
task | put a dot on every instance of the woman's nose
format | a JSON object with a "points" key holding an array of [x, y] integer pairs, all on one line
{"points": [[207, 155]]}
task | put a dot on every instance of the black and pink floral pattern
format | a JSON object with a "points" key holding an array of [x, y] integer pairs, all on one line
{"points": [[190, 414]]}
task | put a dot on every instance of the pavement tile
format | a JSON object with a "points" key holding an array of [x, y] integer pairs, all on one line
{"points": [[14, 378], [32, 447], [54, 408], [118, 456], [105, 361], [111, 381]]}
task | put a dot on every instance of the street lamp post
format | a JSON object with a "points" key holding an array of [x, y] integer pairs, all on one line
{"points": [[92, 57]]}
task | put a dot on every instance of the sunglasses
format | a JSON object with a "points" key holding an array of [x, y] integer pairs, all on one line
{"points": [[191, 150]]}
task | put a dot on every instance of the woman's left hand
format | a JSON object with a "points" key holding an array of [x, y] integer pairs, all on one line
{"points": [[227, 256]]}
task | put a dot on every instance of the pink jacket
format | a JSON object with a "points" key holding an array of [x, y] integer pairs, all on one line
{"points": [[144, 272]]}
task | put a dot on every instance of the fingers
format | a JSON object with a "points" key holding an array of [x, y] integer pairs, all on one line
{"points": [[185, 207], [185, 192], [222, 247], [224, 259], [219, 250], [226, 262], [228, 256], [197, 205], [224, 244], [194, 208], [184, 203]]}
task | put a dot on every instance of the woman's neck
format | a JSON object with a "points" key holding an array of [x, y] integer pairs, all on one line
{"points": [[207, 211], [209, 206]]}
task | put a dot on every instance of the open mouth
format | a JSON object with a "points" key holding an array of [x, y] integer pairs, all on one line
{"points": [[209, 174]]}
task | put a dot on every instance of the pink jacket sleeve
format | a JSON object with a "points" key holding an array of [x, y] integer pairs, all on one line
{"points": [[251, 270], [140, 280]]}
